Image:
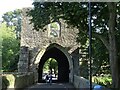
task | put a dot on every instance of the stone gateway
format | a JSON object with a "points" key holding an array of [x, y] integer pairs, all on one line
{"points": [[57, 41]]}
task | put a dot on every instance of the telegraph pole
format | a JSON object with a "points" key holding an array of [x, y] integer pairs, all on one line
{"points": [[90, 45]]}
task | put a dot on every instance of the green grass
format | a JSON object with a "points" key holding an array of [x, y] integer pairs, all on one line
{"points": [[104, 81]]}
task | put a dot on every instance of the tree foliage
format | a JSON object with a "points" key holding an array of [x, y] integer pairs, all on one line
{"points": [[51, 64], [10, 48], [10, 28], [13, 18]]}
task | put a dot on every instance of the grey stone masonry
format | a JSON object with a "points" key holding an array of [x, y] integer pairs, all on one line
{"points": [[23, 61], [33, 41]]}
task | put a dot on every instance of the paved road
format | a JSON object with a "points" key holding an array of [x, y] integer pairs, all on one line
{"points": [[54, 86]]}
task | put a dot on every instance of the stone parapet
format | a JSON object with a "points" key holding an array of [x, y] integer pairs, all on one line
{"points": [[17, 81], [81, 83]]}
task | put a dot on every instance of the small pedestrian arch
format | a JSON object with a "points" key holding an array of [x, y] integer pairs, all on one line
{"points": [[60, 54]]}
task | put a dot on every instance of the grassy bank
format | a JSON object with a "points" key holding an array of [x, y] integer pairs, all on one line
{"points": [[104, 81]]}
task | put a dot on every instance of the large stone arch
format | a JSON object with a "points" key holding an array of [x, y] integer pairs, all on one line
{"points": [[42, 54], [34, 44]]}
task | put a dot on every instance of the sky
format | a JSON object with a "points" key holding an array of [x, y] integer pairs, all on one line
{"points": [[10, 5]]}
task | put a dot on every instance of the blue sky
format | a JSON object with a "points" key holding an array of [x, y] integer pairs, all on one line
{"points": [[10, 5]]}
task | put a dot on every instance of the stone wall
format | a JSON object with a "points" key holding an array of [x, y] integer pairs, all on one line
{"points": [[81, 83], [35, 41], [24, 60], [17, 81]]}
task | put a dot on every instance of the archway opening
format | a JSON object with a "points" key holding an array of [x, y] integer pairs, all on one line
{"points": [[63, 64], [50, 67]]}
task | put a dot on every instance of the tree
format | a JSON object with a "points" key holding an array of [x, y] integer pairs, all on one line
{"points": [[11, 28], [10, 48], [105, 25], [51, 64], [13, 18]]}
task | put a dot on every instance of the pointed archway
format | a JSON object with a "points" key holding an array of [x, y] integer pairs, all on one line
{"points": [[63, 64]]}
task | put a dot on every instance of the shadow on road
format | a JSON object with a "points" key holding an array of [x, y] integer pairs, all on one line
{"points": [[54, 86]]}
